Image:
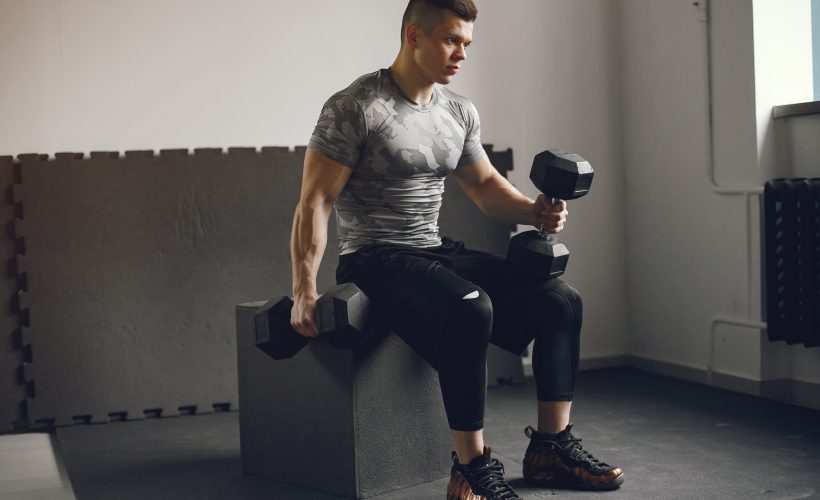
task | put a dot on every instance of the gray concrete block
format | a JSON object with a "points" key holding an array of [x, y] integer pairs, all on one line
{"points": [[355, 423]]}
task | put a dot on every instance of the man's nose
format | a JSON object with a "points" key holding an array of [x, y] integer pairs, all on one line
{"points": [[460, 53]]}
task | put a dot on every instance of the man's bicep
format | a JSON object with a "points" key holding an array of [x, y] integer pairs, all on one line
{"points": [[323, 179], [473, 175]]}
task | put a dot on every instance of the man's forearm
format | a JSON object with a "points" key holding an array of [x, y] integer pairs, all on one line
{"points": [[307, 245], [502, 201]]}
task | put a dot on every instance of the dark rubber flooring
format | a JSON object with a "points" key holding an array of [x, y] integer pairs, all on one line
{"points": [[673, 439]]}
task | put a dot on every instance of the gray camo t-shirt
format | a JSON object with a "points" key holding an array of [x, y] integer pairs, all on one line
{"points": [[400, 153]]}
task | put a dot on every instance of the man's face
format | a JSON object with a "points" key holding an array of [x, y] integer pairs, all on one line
{"points": [[440, 54]]}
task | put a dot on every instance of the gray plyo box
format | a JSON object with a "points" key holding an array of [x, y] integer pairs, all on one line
{"points": [[354, 423]]}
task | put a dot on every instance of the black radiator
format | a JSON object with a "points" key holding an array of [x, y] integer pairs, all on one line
{"points": [[792, 247]]}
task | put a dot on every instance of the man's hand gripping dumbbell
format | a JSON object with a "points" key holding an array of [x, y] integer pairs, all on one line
{"points": [[340, 315]]}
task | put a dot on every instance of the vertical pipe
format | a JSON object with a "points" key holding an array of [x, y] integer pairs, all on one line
{"points": [[705, 10]]}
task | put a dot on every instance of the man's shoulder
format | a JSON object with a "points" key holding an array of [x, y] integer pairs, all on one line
{"points": [[461, 107], [454, 98], [364, 88]]}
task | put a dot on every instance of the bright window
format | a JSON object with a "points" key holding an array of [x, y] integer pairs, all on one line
{"points": [[815, 36]]}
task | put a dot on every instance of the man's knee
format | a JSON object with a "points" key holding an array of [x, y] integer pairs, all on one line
{"points": [[561, 302], [473, 316], [477, 304]]}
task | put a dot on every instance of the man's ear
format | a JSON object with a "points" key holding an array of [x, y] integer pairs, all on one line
{"points": [[411, 35]]}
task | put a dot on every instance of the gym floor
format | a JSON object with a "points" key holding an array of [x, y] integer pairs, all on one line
{"points": [[673, 439]]}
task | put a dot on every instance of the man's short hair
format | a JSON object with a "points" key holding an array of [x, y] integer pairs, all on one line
{"points": [[427, 14]]}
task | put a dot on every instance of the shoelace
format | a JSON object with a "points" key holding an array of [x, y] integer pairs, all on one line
{"points": [[491, 476], [572, 446]]}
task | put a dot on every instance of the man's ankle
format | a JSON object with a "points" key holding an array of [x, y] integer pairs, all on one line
{"points": [[465, 457]]}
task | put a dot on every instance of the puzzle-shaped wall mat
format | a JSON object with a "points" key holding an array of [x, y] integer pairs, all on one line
{"points": [[12, 392], [134, 265]]}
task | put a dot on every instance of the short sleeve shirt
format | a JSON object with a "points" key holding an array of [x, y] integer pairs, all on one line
{"points": [[400, 153]]}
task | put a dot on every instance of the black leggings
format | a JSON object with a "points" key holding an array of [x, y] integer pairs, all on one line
{"points": [[449, 302]]}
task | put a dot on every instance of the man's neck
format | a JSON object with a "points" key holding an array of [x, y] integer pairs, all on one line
{"points": [[410, 81]]}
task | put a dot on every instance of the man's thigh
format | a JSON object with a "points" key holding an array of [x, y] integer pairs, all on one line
{"points": [[412, 292], [517, 296]]}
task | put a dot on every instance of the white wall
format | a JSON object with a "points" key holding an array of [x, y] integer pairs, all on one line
{"points": [[683, 241], [688, 246], [120, 75], [798, 145], [117, 75]]}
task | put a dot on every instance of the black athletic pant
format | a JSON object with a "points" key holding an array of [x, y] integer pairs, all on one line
{"points": [[449, 302]]}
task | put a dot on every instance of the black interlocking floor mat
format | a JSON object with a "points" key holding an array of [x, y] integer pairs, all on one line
{"points": [[673, 439]]}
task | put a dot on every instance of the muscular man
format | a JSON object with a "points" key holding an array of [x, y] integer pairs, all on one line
{"points": [[379, 154]]}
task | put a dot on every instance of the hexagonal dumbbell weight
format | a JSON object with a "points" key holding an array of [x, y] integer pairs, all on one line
{"points": [[341, 317], [561, 176]]}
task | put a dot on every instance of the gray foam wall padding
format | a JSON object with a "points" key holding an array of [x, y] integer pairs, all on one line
{"points": [[134, 264], [12, 392]]}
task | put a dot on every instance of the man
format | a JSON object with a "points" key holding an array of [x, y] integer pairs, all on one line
{"points": [[379, 153]]}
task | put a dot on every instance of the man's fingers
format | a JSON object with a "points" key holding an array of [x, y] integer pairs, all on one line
{"points": [[555, 228], [306, 329], [551, 209], [552, 215], [552, 222], [302, 321]]}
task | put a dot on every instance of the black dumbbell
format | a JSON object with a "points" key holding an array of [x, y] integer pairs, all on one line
{"points": [[561, 176], [341, 317]]}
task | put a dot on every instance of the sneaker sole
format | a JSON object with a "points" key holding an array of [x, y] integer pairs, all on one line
{"points": [[563, 482]]}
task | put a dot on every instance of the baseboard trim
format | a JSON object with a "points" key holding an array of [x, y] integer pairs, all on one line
{"points": [[805, 393], [796, 392], [603, 362]]}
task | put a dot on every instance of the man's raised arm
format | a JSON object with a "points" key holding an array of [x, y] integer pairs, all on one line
{"points": [[499, 199]]}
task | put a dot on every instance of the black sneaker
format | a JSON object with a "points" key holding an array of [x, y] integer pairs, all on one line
{"points": [[481, 479], [558, 460]]}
